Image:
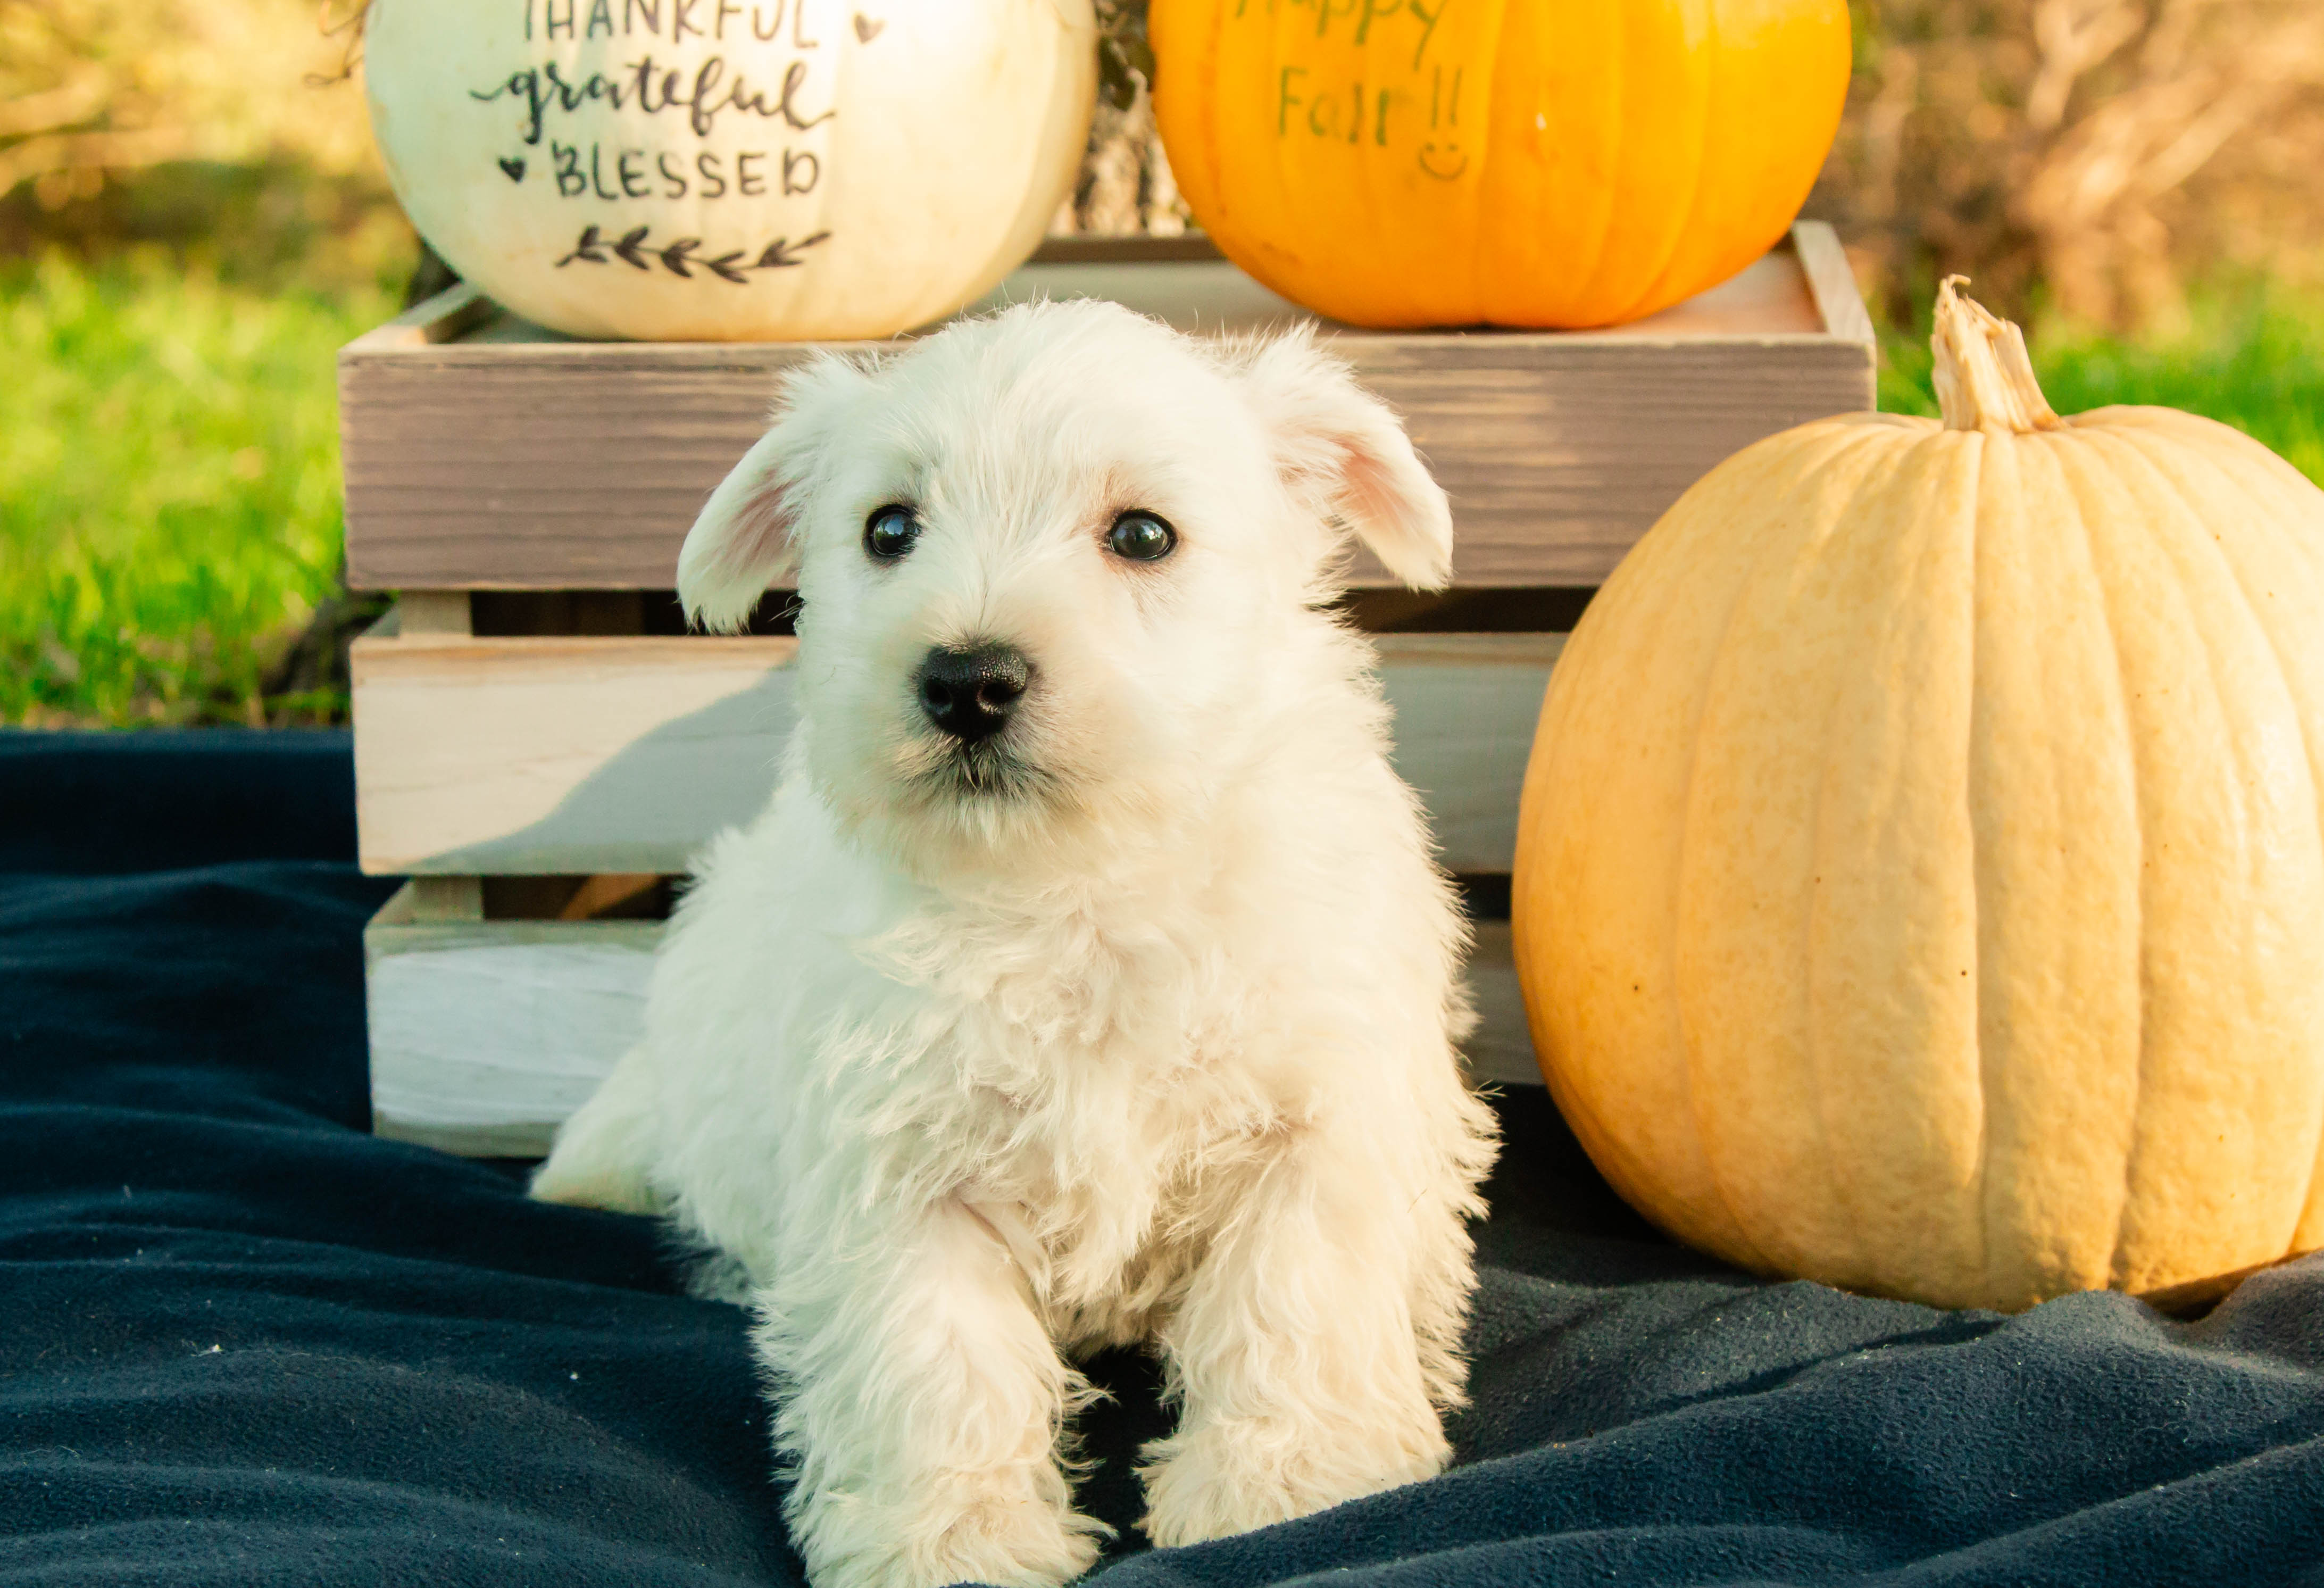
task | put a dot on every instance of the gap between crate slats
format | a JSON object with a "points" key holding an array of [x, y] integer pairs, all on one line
{"points": [[509, 756], [486, 1034]]}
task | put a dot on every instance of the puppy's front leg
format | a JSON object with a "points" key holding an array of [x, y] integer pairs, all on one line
{"points": [[1295, 1354], [920, 1402]]}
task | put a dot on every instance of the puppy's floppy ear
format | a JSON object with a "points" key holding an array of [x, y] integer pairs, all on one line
{"points": [[742, 542], [1341, 447]]}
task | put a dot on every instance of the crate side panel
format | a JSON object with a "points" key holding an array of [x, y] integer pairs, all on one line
{"points": [[541, 469], [1464, 722], [524, 756], [484, 1039], [511, 757], [1556, 466], [1501, 1047], [536, 469]]}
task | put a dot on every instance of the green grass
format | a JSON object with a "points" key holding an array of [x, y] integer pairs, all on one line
{"points": [[169, 488], [2251, 359]]}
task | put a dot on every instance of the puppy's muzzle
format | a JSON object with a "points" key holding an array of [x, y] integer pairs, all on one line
{"points": [[970, 693]]}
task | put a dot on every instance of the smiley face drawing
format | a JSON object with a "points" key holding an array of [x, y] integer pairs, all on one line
{"points": [[1442, 156], [1445, 161]]}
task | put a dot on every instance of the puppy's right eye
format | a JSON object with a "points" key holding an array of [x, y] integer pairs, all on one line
{"points": [[889, 533]]}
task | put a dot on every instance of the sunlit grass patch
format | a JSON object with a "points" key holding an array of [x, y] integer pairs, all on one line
{"points": [[169, 488]]}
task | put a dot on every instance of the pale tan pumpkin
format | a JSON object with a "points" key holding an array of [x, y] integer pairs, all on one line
{"points": [[1920, 887]]}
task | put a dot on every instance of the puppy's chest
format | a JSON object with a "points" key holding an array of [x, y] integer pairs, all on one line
{"points": [[1101, 1105], [1102, 1122], [1107, 1195], [1063, 1024]]}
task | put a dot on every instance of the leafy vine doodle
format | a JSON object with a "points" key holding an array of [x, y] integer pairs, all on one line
{"points": [[630, 249]]}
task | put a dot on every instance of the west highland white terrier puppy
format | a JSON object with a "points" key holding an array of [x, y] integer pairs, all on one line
{"points": [[1089, 980]]}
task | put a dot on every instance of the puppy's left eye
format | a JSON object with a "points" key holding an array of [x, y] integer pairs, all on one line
{"points": [[1141, 537], [891, 531]]}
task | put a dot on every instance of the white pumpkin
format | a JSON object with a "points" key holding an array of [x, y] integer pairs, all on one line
{"points": [[720, 170]]}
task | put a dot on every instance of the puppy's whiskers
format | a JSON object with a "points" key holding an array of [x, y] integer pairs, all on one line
{"points": [[985, 772]]}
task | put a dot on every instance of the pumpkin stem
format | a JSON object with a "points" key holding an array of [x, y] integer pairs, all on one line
{"points": [[1983, 378]]}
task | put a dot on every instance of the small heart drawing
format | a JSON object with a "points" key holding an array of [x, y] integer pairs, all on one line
{"points": [[866, 29], [515, 169]]}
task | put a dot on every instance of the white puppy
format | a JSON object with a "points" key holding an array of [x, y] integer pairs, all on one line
{"points": [[1089, 980]]}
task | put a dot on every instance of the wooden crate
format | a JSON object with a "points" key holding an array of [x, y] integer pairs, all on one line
{"points": [[526, 771]]}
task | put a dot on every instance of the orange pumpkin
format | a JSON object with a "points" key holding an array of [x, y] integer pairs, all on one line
{"points": [[1520, 162]]}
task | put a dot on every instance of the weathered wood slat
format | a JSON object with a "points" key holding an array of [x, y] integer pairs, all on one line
{"points": [[562, 756], [573, 755], [504, 459], [1466, 707], [486, 1034], [1555, 469], [1831, 281]]}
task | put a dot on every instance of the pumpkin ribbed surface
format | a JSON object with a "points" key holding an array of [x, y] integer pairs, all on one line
{"points": [[1521, 162], [1920, 884]]}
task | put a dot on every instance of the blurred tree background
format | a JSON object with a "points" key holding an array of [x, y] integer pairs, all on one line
{"points": [[2091, 159], [193, 220]]}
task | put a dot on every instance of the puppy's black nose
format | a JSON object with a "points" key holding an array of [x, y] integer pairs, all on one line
{"points": [[969, 693]]}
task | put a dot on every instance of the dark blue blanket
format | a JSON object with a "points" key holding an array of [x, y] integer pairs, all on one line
{"points": [[242, 1342]]}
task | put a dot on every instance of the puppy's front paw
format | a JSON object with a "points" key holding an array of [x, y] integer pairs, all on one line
{"points": [[1231, 1477], [1006, 1541]]}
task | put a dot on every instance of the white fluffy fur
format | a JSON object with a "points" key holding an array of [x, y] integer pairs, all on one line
{"points": [[1150, 1040]]}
